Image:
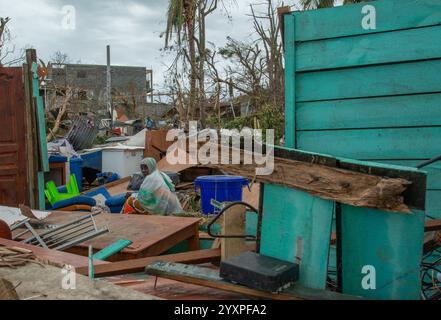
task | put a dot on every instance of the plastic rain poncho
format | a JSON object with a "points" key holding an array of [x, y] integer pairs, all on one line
{"points": [[157, 192]]}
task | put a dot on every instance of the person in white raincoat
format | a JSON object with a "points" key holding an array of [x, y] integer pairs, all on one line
{"points": [[157, 193]]}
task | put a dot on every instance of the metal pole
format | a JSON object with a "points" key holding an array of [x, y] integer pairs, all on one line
{"points": [[109, 88], [151, 83]]}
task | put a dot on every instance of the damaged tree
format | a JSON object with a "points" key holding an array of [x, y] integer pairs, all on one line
{"points": [[6, 48], [67, 95]]}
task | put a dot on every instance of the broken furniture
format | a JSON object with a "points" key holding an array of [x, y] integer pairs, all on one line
{"points": [[151, 235], [57, 170], [5, 231], [112, 249], [54, 195], [103, 197], [61, 237]]}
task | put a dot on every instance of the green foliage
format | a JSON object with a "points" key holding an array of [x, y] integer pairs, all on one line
{"points": [[175, 20], [268, 117]]}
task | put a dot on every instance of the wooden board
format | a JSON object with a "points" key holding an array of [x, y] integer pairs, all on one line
{"points": [[173, 290], [384, 112], [151, 235], [296, 227], [370, 49], [354, 188], [138, 265], [391, 244], [373, 81], [233, 223], [210, 278], [378, 144], [346, 21], [53, 257]]}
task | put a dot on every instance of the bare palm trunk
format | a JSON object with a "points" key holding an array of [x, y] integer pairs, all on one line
{"points": [[189, 8]]}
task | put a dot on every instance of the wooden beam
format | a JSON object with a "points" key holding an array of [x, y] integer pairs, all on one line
{"points": [[432, 225], [343, 186], [138, 265], [352, 182], [210, 278]]}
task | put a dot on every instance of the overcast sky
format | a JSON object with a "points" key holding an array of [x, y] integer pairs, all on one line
{"points": [[131, 27]]}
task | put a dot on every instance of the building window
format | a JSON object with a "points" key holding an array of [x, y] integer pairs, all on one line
{"points": [[82, 74]]}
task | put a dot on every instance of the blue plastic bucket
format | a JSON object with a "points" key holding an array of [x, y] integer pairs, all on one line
{"points": [[220, 188], [76, 168]]}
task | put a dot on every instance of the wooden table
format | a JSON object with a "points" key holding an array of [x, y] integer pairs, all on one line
{"points": [[151, 235]]}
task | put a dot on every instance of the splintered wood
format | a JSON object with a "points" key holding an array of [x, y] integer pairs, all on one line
{"points": [[344, 186], [7, 291], [329, 183], [16, 257]]}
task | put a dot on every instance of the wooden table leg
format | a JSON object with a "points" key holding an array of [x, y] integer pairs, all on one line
{"points": [[193, 242]]}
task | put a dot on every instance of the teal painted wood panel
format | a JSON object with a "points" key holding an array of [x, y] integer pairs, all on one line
{"points": [[392, 243], [369, 144], [373, 81], [41, 122], [346, 20], [290, 83], [433, 203], [398, 46], [297, 224], [385, 112]]}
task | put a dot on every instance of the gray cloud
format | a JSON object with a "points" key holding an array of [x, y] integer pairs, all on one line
{"points": [[131, 27]]}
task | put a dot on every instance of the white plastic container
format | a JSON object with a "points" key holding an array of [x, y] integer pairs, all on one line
{"points": [[124, 161]]}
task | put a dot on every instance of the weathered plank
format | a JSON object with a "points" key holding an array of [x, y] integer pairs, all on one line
{"points": [[334, 184], [374, 144], [296, 227], [52, 257], [391, 244], [346, 20], [210, 278], [371, 81], [233, 223], [290, 84], [370, 49], [384, 112], [138, 265]]}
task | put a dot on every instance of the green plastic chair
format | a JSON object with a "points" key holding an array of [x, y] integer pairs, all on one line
{"points": [[54, 196]]}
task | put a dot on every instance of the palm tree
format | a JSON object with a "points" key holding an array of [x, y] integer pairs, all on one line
{"points": [[181, 21], [317, 4]]}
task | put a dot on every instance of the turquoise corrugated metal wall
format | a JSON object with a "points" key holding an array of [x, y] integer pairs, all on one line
{"points": [[370, 95]]}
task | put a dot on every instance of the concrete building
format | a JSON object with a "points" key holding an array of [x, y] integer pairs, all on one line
{"points": [[130, 88]]}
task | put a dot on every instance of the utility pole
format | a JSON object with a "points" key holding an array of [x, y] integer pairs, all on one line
{"points": [[109, 89]]}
